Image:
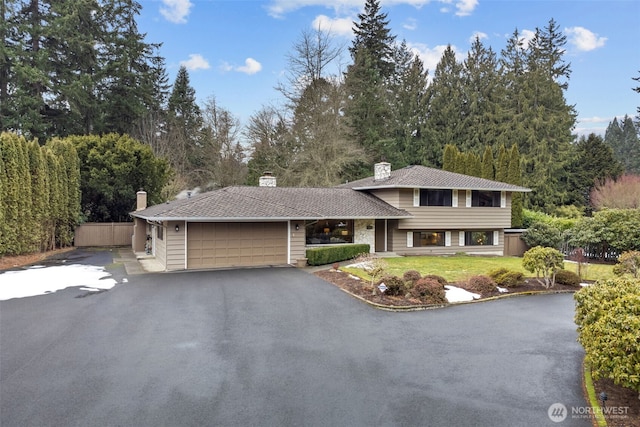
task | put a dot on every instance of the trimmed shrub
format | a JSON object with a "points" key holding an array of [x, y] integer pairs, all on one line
{"points": [[437, 278], [395, 285], [429, 291], [507, 278], [411, 276], [481, 284], [330, 254], [568, 278]]}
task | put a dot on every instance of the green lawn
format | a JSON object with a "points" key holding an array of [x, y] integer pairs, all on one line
{"points": [[459, 267]]}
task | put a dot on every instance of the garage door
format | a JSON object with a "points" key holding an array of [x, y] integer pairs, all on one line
{"points": [[213, 245]]}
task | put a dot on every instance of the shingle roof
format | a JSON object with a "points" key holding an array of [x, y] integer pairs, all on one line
{"points": [[424, 177], [273, 203]]}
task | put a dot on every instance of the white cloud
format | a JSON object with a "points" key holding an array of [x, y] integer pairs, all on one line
{"points": [[465, 7], [583, 39], [195, 62], [279, 8], [338, 26], [251, 66], [410, 24], [526, 36], [431, 56], [176, 11], [478, 34]]}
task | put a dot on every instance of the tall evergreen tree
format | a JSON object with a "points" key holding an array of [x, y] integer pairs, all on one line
{"points": [[372, 34], [592, 163], [184, 126], [444, 116], [623, 139], [449, 158]]}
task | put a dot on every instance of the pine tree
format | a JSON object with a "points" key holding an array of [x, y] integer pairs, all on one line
{"points": [[371, 34], [444, 117], [592, 163], [623, 140], [502, 165], [184, 126]]}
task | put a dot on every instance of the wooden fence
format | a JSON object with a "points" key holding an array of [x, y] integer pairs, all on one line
{"points": [[513, 244], [103, 234]]}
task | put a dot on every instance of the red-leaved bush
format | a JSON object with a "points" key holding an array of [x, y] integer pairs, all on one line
{"points": [[621, 193]]}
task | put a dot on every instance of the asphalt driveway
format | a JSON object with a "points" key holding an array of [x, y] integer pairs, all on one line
{"points": [[279, 347]]}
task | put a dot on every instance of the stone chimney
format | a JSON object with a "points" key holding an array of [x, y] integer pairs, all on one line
{"points": [[381, 171], [267, 180], [141, 200]]}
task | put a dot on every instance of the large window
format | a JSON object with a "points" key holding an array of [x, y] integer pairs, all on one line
{"points": [[485, 199], [478, 238], [326, 232], [430, 197], [428, 238]]}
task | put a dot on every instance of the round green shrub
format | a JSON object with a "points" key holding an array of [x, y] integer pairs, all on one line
{"points": [[429, 291], [481, 284], [567, 278], [507, 278]]}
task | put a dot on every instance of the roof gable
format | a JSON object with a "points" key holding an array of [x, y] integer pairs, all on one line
{"points": [[424, 177]]}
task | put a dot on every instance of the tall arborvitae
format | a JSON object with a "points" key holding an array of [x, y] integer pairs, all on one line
{"points": [[444, 117], [39, 194], [70, 175], [487, 163], [514, 177], [502, 165], [449, 158]]}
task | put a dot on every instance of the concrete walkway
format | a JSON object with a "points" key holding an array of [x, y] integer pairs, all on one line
{"points": [[137, 263]]}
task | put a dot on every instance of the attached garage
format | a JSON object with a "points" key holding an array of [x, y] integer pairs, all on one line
{"points": [[236, 244]]}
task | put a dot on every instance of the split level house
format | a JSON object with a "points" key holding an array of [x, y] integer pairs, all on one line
{"points": [[415, 210]]}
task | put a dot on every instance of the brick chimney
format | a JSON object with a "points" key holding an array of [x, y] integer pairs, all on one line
{"points": [[381, 171], [141, 200], [267, 180]]}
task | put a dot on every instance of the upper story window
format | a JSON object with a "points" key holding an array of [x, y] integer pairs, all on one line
{"points": [[486, 199], [429, 197]]}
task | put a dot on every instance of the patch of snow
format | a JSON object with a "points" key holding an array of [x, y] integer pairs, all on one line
{"points": [[90, 289], [584, 284], [455, 294], [502, 290], [354, 277], [43, 280], [363, 265]]}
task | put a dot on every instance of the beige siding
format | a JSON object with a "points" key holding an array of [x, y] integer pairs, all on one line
{"points": [[139, 235], [297, 242], [160, 250], [175, 245], [450, 218], [389, 195]]}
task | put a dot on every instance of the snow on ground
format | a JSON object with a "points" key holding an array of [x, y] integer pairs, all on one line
{"points": [[39, 280], [455, 294]]}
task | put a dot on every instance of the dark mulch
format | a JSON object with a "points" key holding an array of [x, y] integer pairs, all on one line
{"points": [[365, 290], [8, 262], [622, 402]]}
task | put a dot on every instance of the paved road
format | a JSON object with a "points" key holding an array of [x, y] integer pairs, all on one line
{"points": [[279, 347]]}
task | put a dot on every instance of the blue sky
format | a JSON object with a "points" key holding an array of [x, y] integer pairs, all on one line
{"points": [[235, 50]]}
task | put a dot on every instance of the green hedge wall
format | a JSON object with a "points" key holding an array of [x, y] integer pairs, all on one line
{"points": [[322, 256]]}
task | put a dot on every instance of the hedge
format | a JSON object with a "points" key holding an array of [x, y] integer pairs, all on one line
{"points": [[329, 254]]}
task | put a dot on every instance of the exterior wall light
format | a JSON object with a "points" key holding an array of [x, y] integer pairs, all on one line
{"points": [[177, 228]]}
